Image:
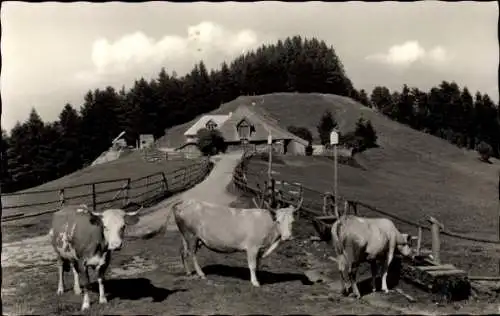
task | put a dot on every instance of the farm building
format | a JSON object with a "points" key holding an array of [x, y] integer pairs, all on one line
{"points": [[146, 140], [209, 122], [252, 125], [246, 126]]}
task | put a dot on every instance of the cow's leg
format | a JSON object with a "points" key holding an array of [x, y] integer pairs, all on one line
{"points": [[252, 255], [189, 248], [373, 266], [84, 281], [196, 265], [60, 274], [353, 275], [184, 253], [101, 270], [385, 269], [76, 278]]}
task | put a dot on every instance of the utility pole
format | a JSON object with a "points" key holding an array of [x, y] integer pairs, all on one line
{"points": [[334, 140]]}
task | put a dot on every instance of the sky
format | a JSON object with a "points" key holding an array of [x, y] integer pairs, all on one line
{"points": [[53, 53]]}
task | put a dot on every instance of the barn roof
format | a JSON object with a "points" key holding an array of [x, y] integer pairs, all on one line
{"points": [[261, 120], [201, 123]]}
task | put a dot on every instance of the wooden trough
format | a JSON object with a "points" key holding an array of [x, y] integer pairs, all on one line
{"points": [[445, 280]]}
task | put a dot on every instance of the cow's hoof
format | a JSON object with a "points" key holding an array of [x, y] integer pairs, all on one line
{"points": [[77, 290], [256, 284], [85, 307], [374, 290], [385, 291], [60, 291], [102, 300]]}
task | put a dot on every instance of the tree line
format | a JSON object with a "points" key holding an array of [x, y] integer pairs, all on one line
{"points": [[35, 151]]}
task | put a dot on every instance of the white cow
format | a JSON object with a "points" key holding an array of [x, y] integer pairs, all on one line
{"points": [[227, 230], [358, 239], [82, 238]]}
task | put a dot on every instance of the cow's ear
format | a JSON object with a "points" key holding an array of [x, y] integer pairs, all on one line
{"points": [[131, 220]]}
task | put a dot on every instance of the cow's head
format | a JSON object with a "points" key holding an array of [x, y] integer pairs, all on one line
{"points": [[284, 219], [403, 244], [114, 221]]}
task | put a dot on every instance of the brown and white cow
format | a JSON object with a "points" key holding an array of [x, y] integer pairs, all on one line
{"points": [[82, 239], [227, 230], [360, 239]]}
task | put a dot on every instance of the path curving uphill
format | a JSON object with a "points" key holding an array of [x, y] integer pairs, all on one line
{"points": [[37, 251]]}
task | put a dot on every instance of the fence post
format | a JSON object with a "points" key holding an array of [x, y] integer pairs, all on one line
{"points": [[93, 197], [355, 208], [127, 191], [165, 182], [61, 196], [184, 177], [419, 240], [436, 244], [148, 194]]}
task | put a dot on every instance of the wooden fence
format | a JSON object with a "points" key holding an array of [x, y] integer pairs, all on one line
{"points": [[154, 154], [105, 194], [313, 207]]}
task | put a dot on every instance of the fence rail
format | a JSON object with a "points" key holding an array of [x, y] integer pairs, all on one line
{"points": [[142, 191]]}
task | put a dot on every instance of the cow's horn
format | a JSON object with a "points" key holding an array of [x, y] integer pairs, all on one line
{"points": [[96, 213], [299, 205], [134, 213]]}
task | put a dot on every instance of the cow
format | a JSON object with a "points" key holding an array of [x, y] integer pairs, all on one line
{"points": [[227, 230], [360, 239], [82, 238]]}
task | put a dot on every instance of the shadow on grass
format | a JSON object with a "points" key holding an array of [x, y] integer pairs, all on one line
{"points": [[135, 289], [264, 277]]}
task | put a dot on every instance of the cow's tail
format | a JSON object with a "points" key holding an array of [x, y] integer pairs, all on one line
{"points": [[173, 211], [175, 208], [336, 239]]}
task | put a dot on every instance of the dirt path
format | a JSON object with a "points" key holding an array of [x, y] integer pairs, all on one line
{"points": [[37, 251]]}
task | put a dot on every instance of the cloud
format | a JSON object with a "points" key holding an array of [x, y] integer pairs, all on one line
{"points": [[410, 52], [137, 52]]}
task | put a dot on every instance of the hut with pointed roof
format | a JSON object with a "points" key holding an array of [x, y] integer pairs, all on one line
{"points": [[252, 125]]}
